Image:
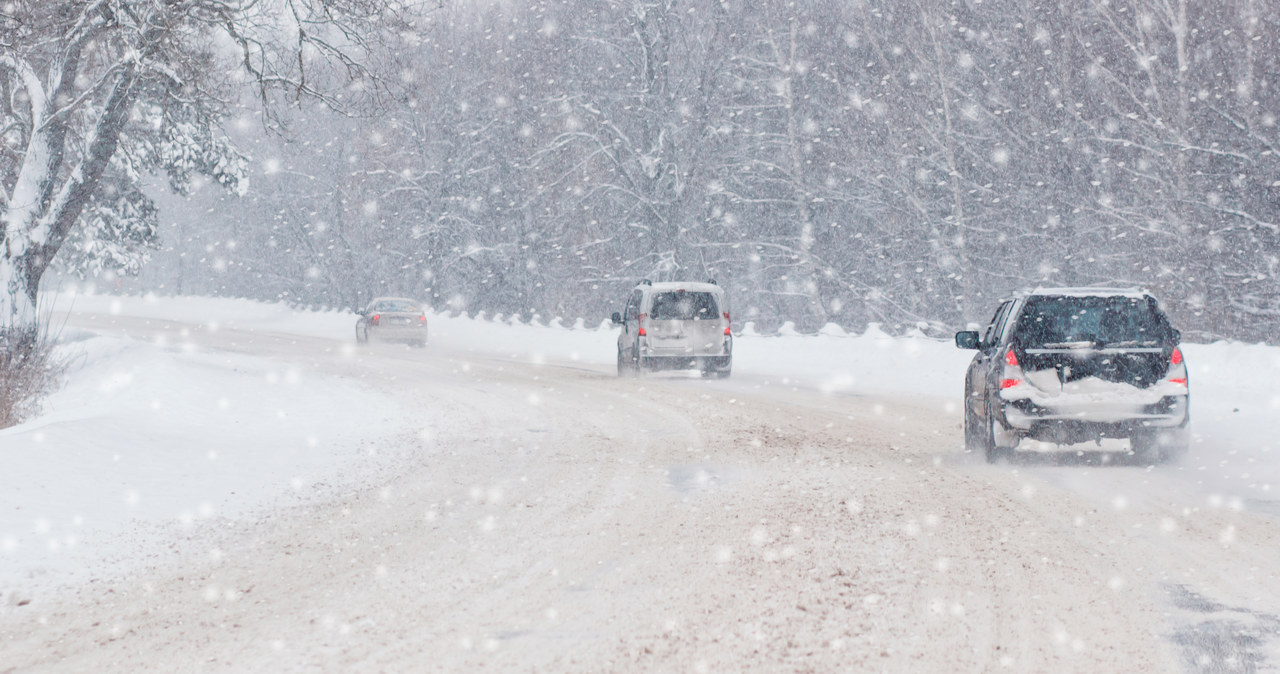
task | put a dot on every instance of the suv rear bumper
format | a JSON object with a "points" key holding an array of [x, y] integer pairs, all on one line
{"points": [[1028, 419]]}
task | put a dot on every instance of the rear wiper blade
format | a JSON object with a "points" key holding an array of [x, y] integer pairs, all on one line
{"points": [[1069, 345], [1132, 343]]}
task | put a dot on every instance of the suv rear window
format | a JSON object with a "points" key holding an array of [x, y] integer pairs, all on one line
{"points": [[1063, 322], [683, 306]]}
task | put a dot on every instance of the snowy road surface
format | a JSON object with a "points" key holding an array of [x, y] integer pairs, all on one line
{"points": [[547, 516]]}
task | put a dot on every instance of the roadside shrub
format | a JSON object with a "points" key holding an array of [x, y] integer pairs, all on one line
{"points": [[29, 371]]}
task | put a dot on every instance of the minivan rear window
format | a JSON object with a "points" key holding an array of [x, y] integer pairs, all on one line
{"points": [[683, 306], [1065, 322]]}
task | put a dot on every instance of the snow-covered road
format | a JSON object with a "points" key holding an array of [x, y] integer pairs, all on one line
{"points": [[512, 513]]}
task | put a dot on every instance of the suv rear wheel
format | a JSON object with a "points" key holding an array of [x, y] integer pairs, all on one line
{"points": [[973, 431], [1160, 446], [998, 443]]}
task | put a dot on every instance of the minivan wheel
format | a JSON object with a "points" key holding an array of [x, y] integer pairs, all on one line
{"points": [[710, 370]]}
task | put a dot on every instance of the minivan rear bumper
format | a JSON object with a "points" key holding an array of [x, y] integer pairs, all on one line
{"points": [[685, 362]]}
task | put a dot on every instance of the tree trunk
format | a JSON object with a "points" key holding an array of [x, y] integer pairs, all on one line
{"points": [[18, 300], [38, 221]]}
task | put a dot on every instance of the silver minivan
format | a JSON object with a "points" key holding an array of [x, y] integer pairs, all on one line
{"points": [[675, 326]]}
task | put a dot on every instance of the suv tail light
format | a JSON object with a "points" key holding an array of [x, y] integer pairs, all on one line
{"points": [[422, 319], [1176, 368], [726, 323], [640, 324], [374, 319], [1012, 373]]}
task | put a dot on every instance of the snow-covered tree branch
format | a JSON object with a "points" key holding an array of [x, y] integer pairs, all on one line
{"points": [[100, 95]]}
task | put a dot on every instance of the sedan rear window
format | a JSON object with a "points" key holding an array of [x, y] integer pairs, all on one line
{"points": [[684, 306], [396, 306], [1051, 322]]}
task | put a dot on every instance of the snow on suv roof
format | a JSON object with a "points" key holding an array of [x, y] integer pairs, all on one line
{"points": [[679, 285], [1136, 293]]}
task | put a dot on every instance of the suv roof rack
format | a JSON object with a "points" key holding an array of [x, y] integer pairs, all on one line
{"points": [[1130, 291], [646, 282], [711, 281]]}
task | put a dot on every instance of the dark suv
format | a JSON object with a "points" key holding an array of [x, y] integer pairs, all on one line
{"points": [[1072, 365]]}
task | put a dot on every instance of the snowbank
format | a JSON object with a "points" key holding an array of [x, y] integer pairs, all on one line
{"points": [[166, 435]]}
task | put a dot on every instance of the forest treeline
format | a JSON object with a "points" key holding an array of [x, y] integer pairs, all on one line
{"points": [[906, 163]]}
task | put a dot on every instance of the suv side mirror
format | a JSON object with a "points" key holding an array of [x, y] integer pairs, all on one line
{"points": [[616, 318], [967, 339]]}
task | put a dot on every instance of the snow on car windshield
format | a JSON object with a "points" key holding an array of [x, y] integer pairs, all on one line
{"points": [[683, 306], [1075, 322]]}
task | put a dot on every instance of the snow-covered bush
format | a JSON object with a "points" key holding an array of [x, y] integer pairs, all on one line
{"points": [[28, 371]]}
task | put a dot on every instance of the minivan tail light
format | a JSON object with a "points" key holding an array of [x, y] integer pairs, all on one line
{"points": [[640, 324]]}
